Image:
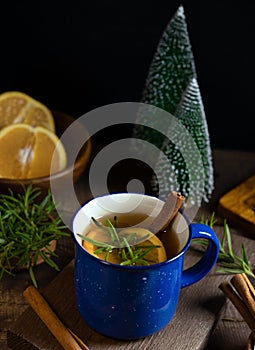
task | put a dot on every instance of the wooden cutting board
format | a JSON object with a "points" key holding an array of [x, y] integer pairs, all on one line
{"points": [[238, 205], [199, 304]]}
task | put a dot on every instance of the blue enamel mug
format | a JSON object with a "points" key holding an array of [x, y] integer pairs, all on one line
{"points": [[131, 302]]}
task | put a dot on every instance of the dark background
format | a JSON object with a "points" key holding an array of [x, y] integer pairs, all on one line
{"points": [[76, 56]]}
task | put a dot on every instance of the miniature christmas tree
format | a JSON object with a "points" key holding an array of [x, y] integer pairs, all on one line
{"points": [[172, 86]]}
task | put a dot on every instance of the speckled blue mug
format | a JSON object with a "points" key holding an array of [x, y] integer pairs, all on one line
{"points": [[131, 302]]}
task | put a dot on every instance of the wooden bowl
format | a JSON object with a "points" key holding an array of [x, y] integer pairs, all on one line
{"points": [[59, 179]]}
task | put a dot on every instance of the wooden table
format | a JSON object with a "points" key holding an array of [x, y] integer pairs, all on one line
{"points": [[204, 319]]}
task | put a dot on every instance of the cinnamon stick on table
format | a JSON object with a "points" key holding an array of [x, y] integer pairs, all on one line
{"points": [[242, 296], [170, 208], [244, 287], [65, 337]]}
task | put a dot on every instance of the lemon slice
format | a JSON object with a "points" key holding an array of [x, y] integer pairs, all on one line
{"points": [[27, 152], [18, 107], [155, 256]]}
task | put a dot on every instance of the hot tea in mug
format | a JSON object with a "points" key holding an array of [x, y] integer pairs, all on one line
{"points": [[123, 239]]}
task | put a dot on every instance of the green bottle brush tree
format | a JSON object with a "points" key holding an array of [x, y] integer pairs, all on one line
{"points": [[172, 86]]}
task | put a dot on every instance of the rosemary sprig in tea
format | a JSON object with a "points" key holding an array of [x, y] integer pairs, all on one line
{"points": [[26, 230], [229, 262], [127, 247]]}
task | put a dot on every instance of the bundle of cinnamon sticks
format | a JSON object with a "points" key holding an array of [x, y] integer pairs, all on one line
{"points": [[241, 293], [242, 296]]}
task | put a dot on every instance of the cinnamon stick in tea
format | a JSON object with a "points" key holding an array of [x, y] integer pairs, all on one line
{"points": [[170, 208], [50, 319]]}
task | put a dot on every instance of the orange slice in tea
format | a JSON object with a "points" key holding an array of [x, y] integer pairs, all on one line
{"points": [[27, 152], [18, 107], [155, 256], [100, 235]]}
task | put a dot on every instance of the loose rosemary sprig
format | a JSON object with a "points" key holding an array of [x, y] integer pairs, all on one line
{"points": [[229, 262], [27, 227], [127, 250]]}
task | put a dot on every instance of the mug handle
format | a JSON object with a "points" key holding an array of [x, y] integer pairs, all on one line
{"points": [[196, 272]]}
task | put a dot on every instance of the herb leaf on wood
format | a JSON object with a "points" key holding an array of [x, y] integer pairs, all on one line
{"points": [[228, 261], [27, 227]]}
